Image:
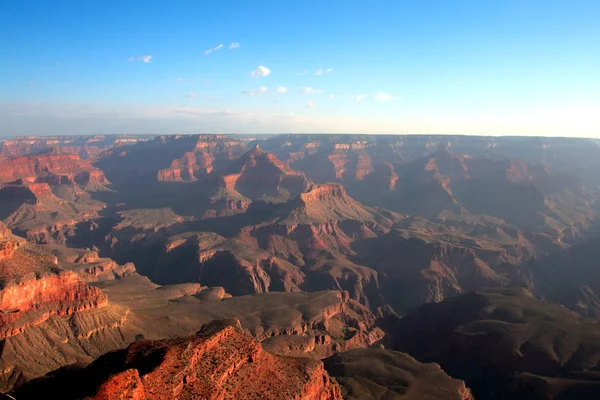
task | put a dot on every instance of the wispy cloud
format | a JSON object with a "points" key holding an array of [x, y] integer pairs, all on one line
{"points": [[216, 48], [308, 90], [358, 97], [234, 46], [322, 71], [181, 81], [310, 104], [191, 95], [261, 90], [381, 96], [144, 59], [260, 71], [281, 89]]}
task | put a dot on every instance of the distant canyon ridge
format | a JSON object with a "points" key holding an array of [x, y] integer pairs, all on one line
{"points": [[326, 246]]}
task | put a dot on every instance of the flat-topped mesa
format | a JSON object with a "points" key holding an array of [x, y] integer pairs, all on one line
{"points": [[325, 192], [218, 362]]}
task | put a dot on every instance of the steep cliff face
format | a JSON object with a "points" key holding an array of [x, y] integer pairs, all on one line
{"points": [[51, 166], [186, 167], [30, 302], [219, 362], [34, 289]]}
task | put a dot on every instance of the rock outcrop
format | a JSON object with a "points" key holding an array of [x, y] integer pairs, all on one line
{"points": [[51, 167], [219, 362], [33, 289], [256, 176]]}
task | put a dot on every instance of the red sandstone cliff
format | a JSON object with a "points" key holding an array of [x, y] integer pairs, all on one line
{"points": [[59, 168], [33, 288]]}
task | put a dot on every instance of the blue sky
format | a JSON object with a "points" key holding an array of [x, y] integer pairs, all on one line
{"points": [[522, 67]]}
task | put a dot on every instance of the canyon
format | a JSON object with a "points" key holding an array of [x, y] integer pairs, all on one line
{"points": [[325, 253]]}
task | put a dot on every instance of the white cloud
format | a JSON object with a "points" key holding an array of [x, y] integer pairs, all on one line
{"points": [[358, 97], [261, 71], [381, 96], [191, 95], [234, 45], [331, 96], [281, 89], [261, 90], [144, 59], [322, 71], [311, 104], [216, 48], [308, 90]]}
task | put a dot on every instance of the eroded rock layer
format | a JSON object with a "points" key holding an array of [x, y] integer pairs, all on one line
{"points": [[219, 362]]}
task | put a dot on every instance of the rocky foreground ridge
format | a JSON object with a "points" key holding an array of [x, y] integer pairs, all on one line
{"points": [[220, 361]]}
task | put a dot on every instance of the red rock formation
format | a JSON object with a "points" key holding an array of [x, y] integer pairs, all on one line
{"points": [[325, 192], [33, 289], [42, 191], [219, 362], [202, 154], [9, 243], [7, 248], [185, 168], [32, 167], [261, 175]]}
